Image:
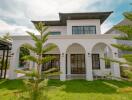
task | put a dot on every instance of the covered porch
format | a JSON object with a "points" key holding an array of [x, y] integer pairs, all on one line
{"points": [[77, 57]]}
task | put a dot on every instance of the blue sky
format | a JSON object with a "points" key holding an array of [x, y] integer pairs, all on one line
{"points": [[16, 15]]}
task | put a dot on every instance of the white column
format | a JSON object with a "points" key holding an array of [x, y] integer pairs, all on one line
{"points": [[63, 66], [102, 64], [31, 63], [68, 64], [88, 61], [115, 67], [14, 63]]}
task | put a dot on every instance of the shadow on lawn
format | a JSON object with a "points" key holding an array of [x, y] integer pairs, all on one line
{"points": [[97, 86], [12, 84]]}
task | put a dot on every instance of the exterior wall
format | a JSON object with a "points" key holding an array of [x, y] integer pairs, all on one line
{"points": [[90, 22]]}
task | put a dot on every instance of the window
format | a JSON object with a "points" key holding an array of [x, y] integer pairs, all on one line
{"points": [[83, 29], [55, 33], [53, 63], [107, 62], [95, 61], [77, 64]]}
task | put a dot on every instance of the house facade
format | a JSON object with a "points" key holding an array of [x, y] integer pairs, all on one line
{"points": [[80, 45]]}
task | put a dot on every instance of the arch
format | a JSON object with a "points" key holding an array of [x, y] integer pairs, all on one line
{"points": [[55, 63], [102, 48], [53, 51], [23, 52], [75, 59], [76, 48]]}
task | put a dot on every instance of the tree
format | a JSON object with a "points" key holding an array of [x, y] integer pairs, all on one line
{"points": [[37, 80], [6, 37], [126, 35]]}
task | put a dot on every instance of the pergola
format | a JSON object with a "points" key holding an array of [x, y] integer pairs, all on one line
{"points": [[5, 48]]}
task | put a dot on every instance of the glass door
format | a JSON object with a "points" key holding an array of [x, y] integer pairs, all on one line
{"points": [[77, 63]]}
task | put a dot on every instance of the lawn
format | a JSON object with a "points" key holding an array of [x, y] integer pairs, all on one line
{"points": [[73, 90]]}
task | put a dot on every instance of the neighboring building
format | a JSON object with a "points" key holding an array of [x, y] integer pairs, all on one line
{"points": [[80, 45], [114, 31]]}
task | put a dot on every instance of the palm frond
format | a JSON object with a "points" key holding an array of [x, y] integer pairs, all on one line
{"points": [[38, 45], [128, 73], [27, 73], [123, 47], [44, 28], [29, 47], [33, 36], [30, 58], [128, 15], [128, 57], [43, 83], [53, 74], [50, 70], [122, 38], [112, 60], [127, 31], [48, 48], [45, 37], [39, 26], [47, 59]]}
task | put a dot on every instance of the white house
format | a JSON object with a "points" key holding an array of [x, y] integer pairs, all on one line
{"points": [[80, 45]]}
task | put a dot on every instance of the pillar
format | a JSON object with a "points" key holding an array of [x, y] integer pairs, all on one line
{"points": [[63, 66], [68, 64], [32, 64], [115, 67], [102, 64], [14, 63], [88, 61]]}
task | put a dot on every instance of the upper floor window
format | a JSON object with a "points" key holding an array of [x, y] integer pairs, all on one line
{"points": [[83, 29], [55, 33]]}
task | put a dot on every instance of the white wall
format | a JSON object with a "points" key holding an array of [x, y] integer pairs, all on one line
{"points": [[89, 22]]}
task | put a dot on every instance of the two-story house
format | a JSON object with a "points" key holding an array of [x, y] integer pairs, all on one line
{"points": [[80, 45]]}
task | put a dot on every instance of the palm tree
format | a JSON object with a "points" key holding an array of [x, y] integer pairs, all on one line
{"points": [[126, 36], [38, 80]]}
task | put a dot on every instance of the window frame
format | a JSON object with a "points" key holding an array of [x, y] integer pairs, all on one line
{"points": [[83, 32], [55, 32], [93, 67], [45, 66], [75, 69]]}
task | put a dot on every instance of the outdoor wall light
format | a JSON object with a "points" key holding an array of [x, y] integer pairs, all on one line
{"points": [[88, 54], [115, 54], [12, 54], [62, 54]]}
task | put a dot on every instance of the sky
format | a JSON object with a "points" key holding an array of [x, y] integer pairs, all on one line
{"points": [[16, 15]]}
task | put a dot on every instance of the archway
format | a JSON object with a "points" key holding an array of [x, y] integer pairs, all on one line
{"points": [[22, 63], [101, 67], [75, 55], [55, 63]]}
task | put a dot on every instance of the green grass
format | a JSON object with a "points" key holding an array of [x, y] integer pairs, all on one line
{"points": [[73, 90]]}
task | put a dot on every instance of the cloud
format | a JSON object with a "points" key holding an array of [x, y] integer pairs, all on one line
{"points": [[14, 29], [17, 14]]}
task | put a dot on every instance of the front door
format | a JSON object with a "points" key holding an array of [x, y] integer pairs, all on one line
{"points": [[77, 63]]}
